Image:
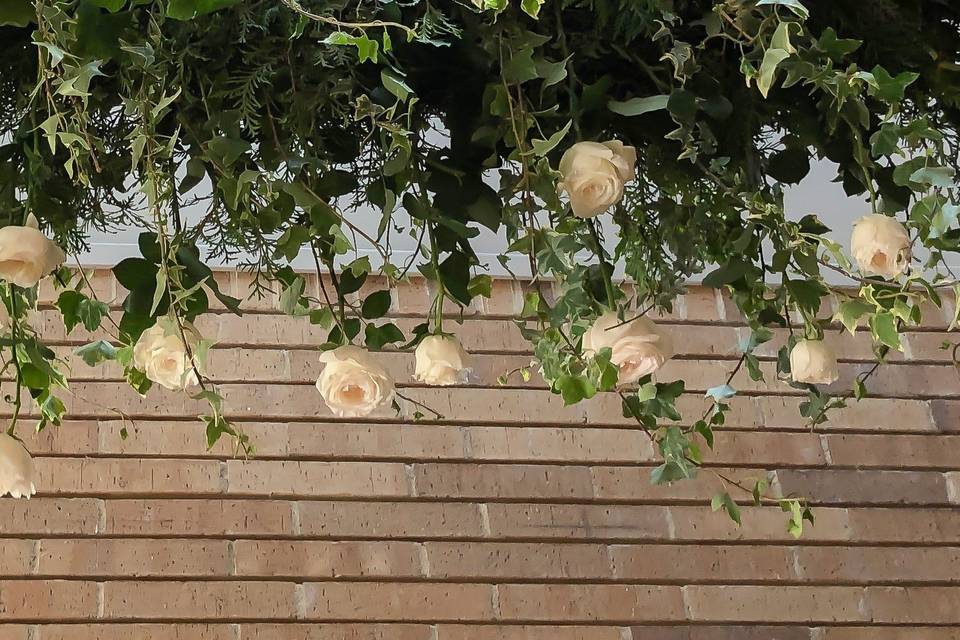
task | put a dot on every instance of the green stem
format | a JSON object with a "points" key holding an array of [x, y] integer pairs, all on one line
{"points": [[441, 290], [14, 324], [605, 268]]}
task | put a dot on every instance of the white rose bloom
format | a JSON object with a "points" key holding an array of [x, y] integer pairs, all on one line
{"points": [[26, 255], [352, 384], [593, 175], [16, 469], [164, 359], [441, 360], [638, 347], [881, 245], [813, 362]]}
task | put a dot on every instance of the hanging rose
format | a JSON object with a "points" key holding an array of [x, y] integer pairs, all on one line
{"points": [[26, 255], [593, 175], [352, 384], [638, 347], [881, 245], [16, 469], [162, 356], [441, 361], [813, 362]]}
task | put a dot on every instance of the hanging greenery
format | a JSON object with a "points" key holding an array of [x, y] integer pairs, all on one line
{"points": [[678, 121]]}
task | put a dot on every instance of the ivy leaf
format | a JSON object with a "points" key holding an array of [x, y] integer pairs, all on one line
{"points": [[836, 47], [480, 285], [725, 502], [91, 312], [850, 312], [807, 294], [884, 329], [793, 5], [768, 69], [376, 305], [375, 337], [639, 106], [531, 7], [290, 296], [96, 352], [395, 84], [891, 89], [721, 392], [885, 141], [543, 147], [727, 274], [455, 273], [934, 176], [943, 220], [573, 389]]}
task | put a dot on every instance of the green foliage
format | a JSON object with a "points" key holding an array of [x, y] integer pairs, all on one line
{"points": [[282, 119]]}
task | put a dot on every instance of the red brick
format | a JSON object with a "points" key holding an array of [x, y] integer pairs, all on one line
{"points": [[502, 481], [499, 405], [133, 558], [389, 519], [335, 632], [197, 600], [930, 605], [759, 524], [49, 516], [559, 444], [112, 476], [74, 437], [768, 449], [47, 600], [198, 517], [865, 487], [327, 559], [720, 632], [633, 483], [870, 414], [608, 603], [128, 631], [414, 602], [526, 632], [702, 562], [885, 451], [16, 557], [885, 633], [376, 440], [905, 525], [878, 564], [328, 479], [500, 560], [946, 415], [591, 522], [774, 604]]}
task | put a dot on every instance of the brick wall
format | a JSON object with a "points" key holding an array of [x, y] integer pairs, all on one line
{"points": [[513, 518]]}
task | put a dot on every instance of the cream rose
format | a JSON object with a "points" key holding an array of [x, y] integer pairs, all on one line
{"points": [[26, 255], [441, 360], [352, 384], [593, 175], [162, 356], [813, 362], [881, 245], [16, 469], [638, 347]]}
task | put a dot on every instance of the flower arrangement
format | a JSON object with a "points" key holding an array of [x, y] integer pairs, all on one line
{"points": [[677, 123]]}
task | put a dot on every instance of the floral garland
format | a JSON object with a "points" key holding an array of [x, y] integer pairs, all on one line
{"points": [[680, 121]]}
